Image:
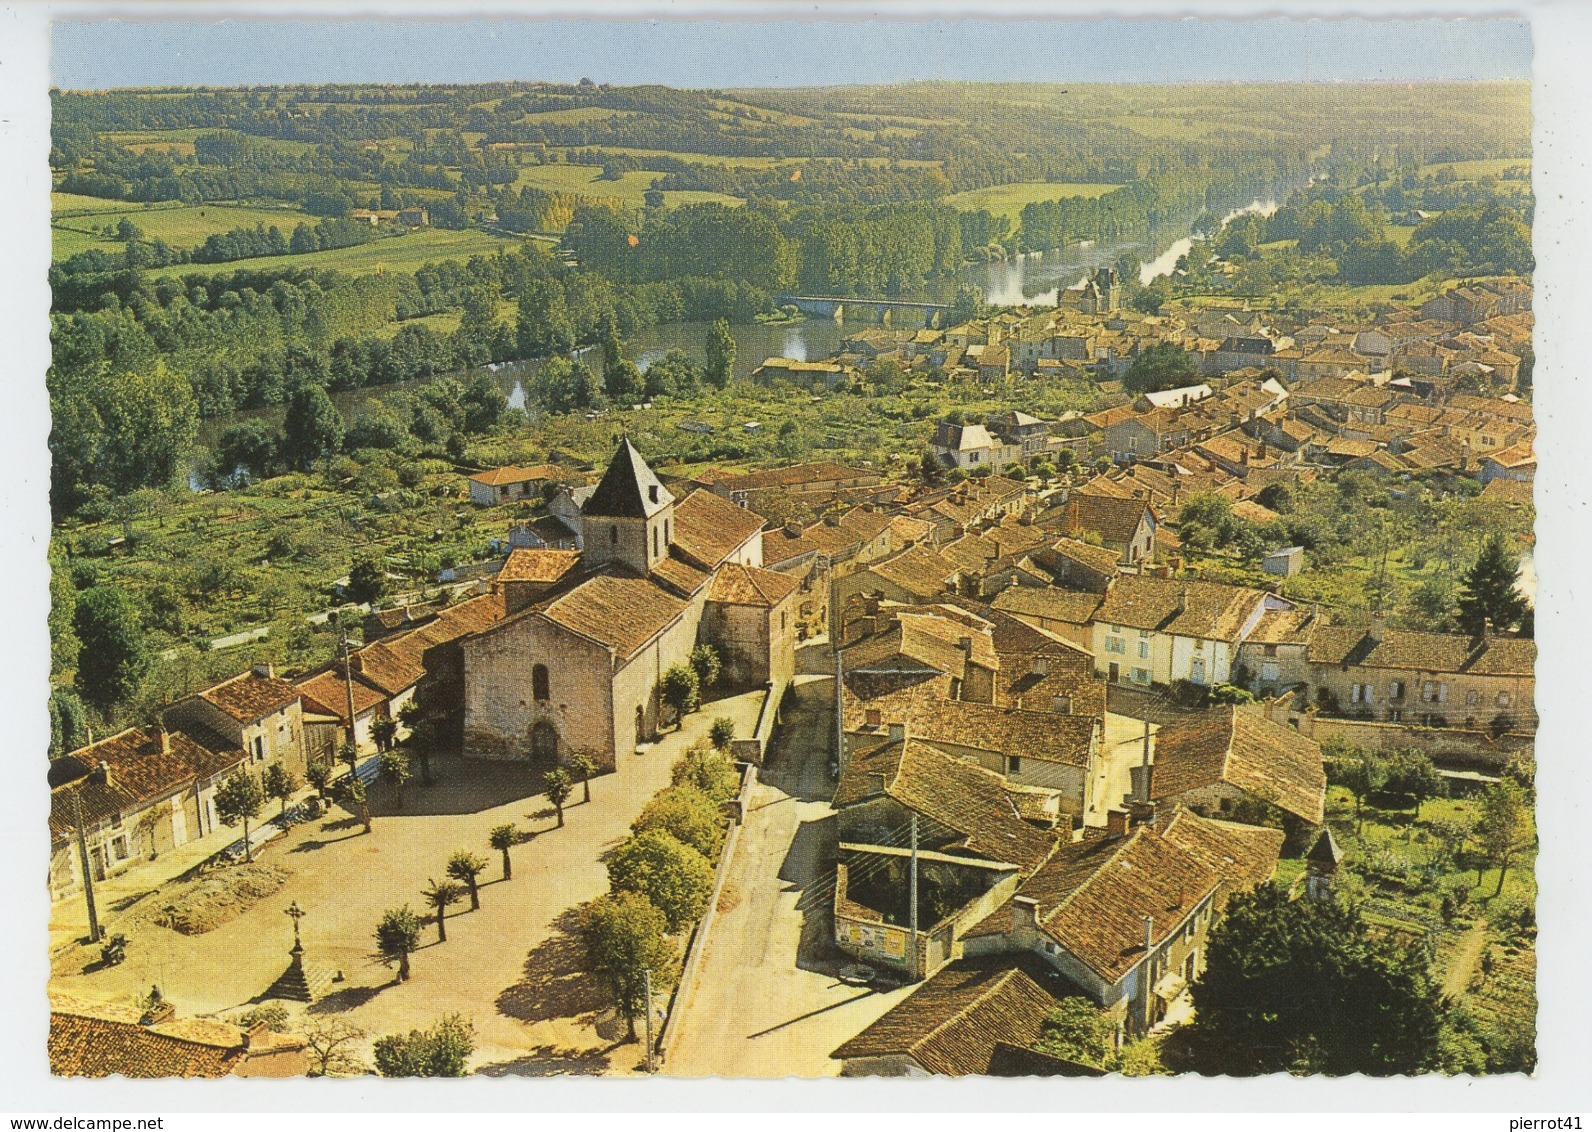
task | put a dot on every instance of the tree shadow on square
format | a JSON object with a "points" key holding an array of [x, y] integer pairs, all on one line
{"points": [[551, 1061], [555, 983]]}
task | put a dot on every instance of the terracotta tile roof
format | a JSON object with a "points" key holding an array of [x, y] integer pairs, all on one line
{"points": [[327, 693], [1075, 607], [391, 670], [1285, 627], [621, 611], [1507, 492], [1096, 558], [959, 1022], [1254, 512], [679, 575], [83, 1045], [797, 475], [1244, 855], [250, 696], [1245, 750], [1515, 456], [1208, 610], [1114, 520], [954, 794], [539, 565], [1043, 735], [920, 570], [708, 527], [141, 771], [905, 529], [1060, 672], [1424, 652], [735, 584], [1093, 896], [498, 477]]}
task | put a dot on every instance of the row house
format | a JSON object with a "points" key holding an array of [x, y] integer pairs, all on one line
{"points": [[1430, 679], [1150, 630]]}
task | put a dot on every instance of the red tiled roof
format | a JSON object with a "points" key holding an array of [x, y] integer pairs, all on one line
{"points": [[250, 696], [1245, 750], [735, 584], [540, 565], [708, 527]]}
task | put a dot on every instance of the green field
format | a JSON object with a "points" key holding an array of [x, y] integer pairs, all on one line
{"points": [[1475, 170], [1008, 200], [631, 188], [396, 253], [184, 227], [1400, 233]]}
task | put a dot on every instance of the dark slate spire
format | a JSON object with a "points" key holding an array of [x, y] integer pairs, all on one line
{"points": [[1325, 851], [628, 489]]}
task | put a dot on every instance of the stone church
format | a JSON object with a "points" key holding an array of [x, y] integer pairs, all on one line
{"points": [[576, 663]]}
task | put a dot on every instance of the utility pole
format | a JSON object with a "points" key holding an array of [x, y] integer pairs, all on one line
{"points": [[88, 874], [912, 914], [646, 984], [1144, 764], [348, 681]]}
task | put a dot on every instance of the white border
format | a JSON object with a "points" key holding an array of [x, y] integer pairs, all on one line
{"points": [[1563, 142]]}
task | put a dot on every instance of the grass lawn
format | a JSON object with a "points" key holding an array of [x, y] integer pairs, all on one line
{"points": [[1400, 233], [398, 253], [1008, 200], [1475, 170], [184, 227], [630, 189]]}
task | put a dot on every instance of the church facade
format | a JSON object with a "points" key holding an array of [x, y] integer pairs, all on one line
{"points": [[576, 664]]}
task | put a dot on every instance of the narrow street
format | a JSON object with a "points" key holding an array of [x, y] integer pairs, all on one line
{"points": [[766, 1002], [1121, 749]]}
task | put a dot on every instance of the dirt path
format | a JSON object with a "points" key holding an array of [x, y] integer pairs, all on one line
{"points": [[1465, 957]]}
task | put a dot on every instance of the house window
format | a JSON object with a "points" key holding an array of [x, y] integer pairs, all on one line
{"points": [[613, 534], [1196, 671], [1471, 697], [539, 688], [1141, 675], [1503, 699], [1271, 650], [1442, 693], [1428, 692], [655, 542], [1144, 649], [1199, 645], [259, 748], [1395, 689], [666, 537], [1268, 670], [1014, 764], [1116, 644]]}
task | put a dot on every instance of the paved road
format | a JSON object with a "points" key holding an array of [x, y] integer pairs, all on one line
{"points": [[766, 1002]]}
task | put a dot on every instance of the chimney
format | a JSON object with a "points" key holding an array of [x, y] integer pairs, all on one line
{"points": [[793, 529], [102, 773], [1243, 456], [875, 717], [832, 520], [1182, 599], [1025, 913], [1149, 934], [1378, 627], [267, 671], [1116, 823], [163, 737], [1143, 813], [966, 645], [898, 733]]}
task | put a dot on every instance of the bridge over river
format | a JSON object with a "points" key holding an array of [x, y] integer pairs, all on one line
{"points": [[890, 312]]}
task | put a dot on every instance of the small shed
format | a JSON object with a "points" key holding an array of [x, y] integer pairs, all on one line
{"points": [[1285, 563]]}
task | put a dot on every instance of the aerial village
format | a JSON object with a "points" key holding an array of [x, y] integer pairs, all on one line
{"points": [[930, 761]]}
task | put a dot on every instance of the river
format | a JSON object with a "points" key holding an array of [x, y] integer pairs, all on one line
{"points": [[1034, 279]]}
